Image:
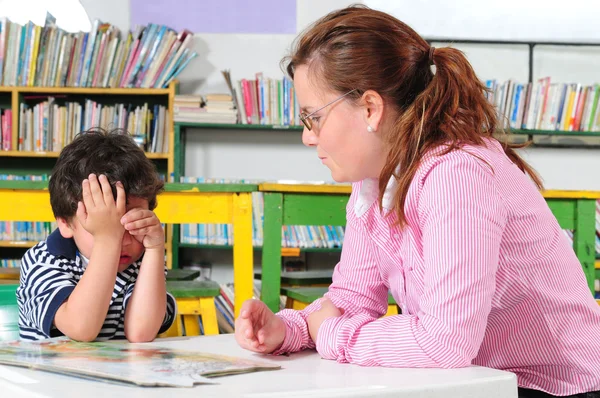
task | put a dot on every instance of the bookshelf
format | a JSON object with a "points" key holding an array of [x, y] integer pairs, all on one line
{"points": [[181, 129], [39, 162]]}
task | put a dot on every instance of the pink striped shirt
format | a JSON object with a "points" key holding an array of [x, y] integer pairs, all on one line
{"points": [[483, 274]]}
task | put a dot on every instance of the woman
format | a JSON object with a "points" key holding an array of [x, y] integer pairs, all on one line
{"points": [[442, 215]]}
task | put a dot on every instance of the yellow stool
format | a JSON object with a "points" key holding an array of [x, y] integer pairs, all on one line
{"points": [[299, 298], [194, 299]]}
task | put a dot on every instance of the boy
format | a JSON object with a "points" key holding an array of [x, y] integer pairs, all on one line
{"points": [[101, 274]]}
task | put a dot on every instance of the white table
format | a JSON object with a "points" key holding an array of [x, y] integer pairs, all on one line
{"points": [[304, 374]]}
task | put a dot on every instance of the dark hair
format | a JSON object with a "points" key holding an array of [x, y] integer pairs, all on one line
{"points": [[112, 153], [364, 49]]}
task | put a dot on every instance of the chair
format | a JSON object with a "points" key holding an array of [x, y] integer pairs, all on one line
{"points": [[194, 299]]}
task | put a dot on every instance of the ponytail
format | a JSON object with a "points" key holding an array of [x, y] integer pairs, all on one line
{"points": [[452, 110]]}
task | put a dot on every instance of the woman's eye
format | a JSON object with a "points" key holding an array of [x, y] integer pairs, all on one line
{"points": [[316, 119]]}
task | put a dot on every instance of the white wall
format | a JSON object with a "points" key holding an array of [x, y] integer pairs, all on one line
{"points": [[276, 155]]}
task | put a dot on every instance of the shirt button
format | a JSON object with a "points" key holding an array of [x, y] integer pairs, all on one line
{"points": [[396, 236]]}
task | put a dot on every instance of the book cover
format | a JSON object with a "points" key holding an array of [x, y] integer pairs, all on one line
{"points": [[140, 364]]}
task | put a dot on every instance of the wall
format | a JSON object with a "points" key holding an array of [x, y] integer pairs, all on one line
{"points": [[218, 154], [277, 155]]}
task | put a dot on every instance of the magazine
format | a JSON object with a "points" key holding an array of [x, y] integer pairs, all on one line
{"points": [[141, 364]]}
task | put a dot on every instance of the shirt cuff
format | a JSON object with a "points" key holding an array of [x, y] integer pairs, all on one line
{"points": [[296, 337], [169, 314], [335, 334]]}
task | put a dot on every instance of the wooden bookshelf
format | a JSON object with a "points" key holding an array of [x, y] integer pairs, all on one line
{"points": [[285, 251], [556, 133], [254, 127], [54, 155], [41, 162], [17, 244]]}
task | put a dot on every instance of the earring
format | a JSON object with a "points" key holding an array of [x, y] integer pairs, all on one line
{"points": [[370, 129]]}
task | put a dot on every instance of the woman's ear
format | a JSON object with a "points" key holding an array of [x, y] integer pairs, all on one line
{"points": [[373, 109], [64, 227]]}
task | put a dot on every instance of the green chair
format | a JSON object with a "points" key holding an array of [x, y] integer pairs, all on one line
{"points": [[194, 299], [9, 313]]}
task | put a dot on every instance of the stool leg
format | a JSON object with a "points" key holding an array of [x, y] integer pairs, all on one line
{"points": [[392, 310], [175, 329], [209, 315], [192, 325], [297, 305], [289, 302]]}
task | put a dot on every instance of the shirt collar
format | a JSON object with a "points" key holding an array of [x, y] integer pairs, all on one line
{"points": [[369, 192], [61, 246]]}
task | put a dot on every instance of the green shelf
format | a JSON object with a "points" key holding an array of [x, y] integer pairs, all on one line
{"points": [[238, 126], [206, 187], [17, 184], [227, 247], [557, 133]]}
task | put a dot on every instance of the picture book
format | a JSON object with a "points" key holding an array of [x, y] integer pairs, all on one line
{"points": [[141, 364]]}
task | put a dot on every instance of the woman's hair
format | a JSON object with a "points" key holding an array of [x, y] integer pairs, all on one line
{"points": [[364, 49]]}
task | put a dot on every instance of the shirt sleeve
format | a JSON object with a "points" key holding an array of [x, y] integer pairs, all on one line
{"points": [[170, 314], [461, 221], [44, 287], [356, 287]]}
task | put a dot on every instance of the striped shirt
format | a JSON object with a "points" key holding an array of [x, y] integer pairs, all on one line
{"points": [[50, 271], [483, 274]]}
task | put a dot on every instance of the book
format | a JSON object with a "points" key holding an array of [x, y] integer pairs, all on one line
{"points": [[116, 361]]}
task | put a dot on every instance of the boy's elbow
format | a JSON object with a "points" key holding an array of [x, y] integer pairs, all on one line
{"points": [[83, 335], [139, 336]]}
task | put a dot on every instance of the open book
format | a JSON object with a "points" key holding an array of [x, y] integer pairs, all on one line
{"points": [[141, 364]]}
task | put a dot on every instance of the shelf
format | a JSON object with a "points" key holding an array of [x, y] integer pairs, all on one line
{"points": [[19, 244], [86, 90], [29, 154], [44, 154], [202, 187], [11, 274], [557, 133], [238, 126], [151, 155], [285, 251]]}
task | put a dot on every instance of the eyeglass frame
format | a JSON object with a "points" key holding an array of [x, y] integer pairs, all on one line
{"points": [[304, 117]]}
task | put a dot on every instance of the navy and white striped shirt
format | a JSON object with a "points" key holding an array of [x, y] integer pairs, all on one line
{"points": [[50, 271]]}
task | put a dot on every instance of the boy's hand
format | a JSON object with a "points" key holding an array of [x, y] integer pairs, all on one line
{"points": [[99, 214], [144, 226]]}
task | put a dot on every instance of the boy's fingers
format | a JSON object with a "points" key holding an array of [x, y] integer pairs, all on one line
{"points": [[107, 195], [144, 222], [86, 194], [136, 214], [95, 190], [121, 198]]}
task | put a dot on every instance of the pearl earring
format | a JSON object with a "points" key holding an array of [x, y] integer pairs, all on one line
{"points": [[370, 129]]}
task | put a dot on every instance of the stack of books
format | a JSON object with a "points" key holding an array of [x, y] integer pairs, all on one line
{"points": [[149, 57]]}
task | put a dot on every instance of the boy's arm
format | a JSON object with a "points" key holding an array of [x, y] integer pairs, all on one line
{"points": [[145, 309], [149, 310], [82, 315]]}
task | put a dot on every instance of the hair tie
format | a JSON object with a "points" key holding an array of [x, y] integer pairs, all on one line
{"points": [[431, 51]]}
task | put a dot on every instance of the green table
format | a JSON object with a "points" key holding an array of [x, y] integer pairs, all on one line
{"points": [[287, 204]]}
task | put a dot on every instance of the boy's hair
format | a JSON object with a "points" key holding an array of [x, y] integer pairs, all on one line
{"points": [[112, 153]]}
